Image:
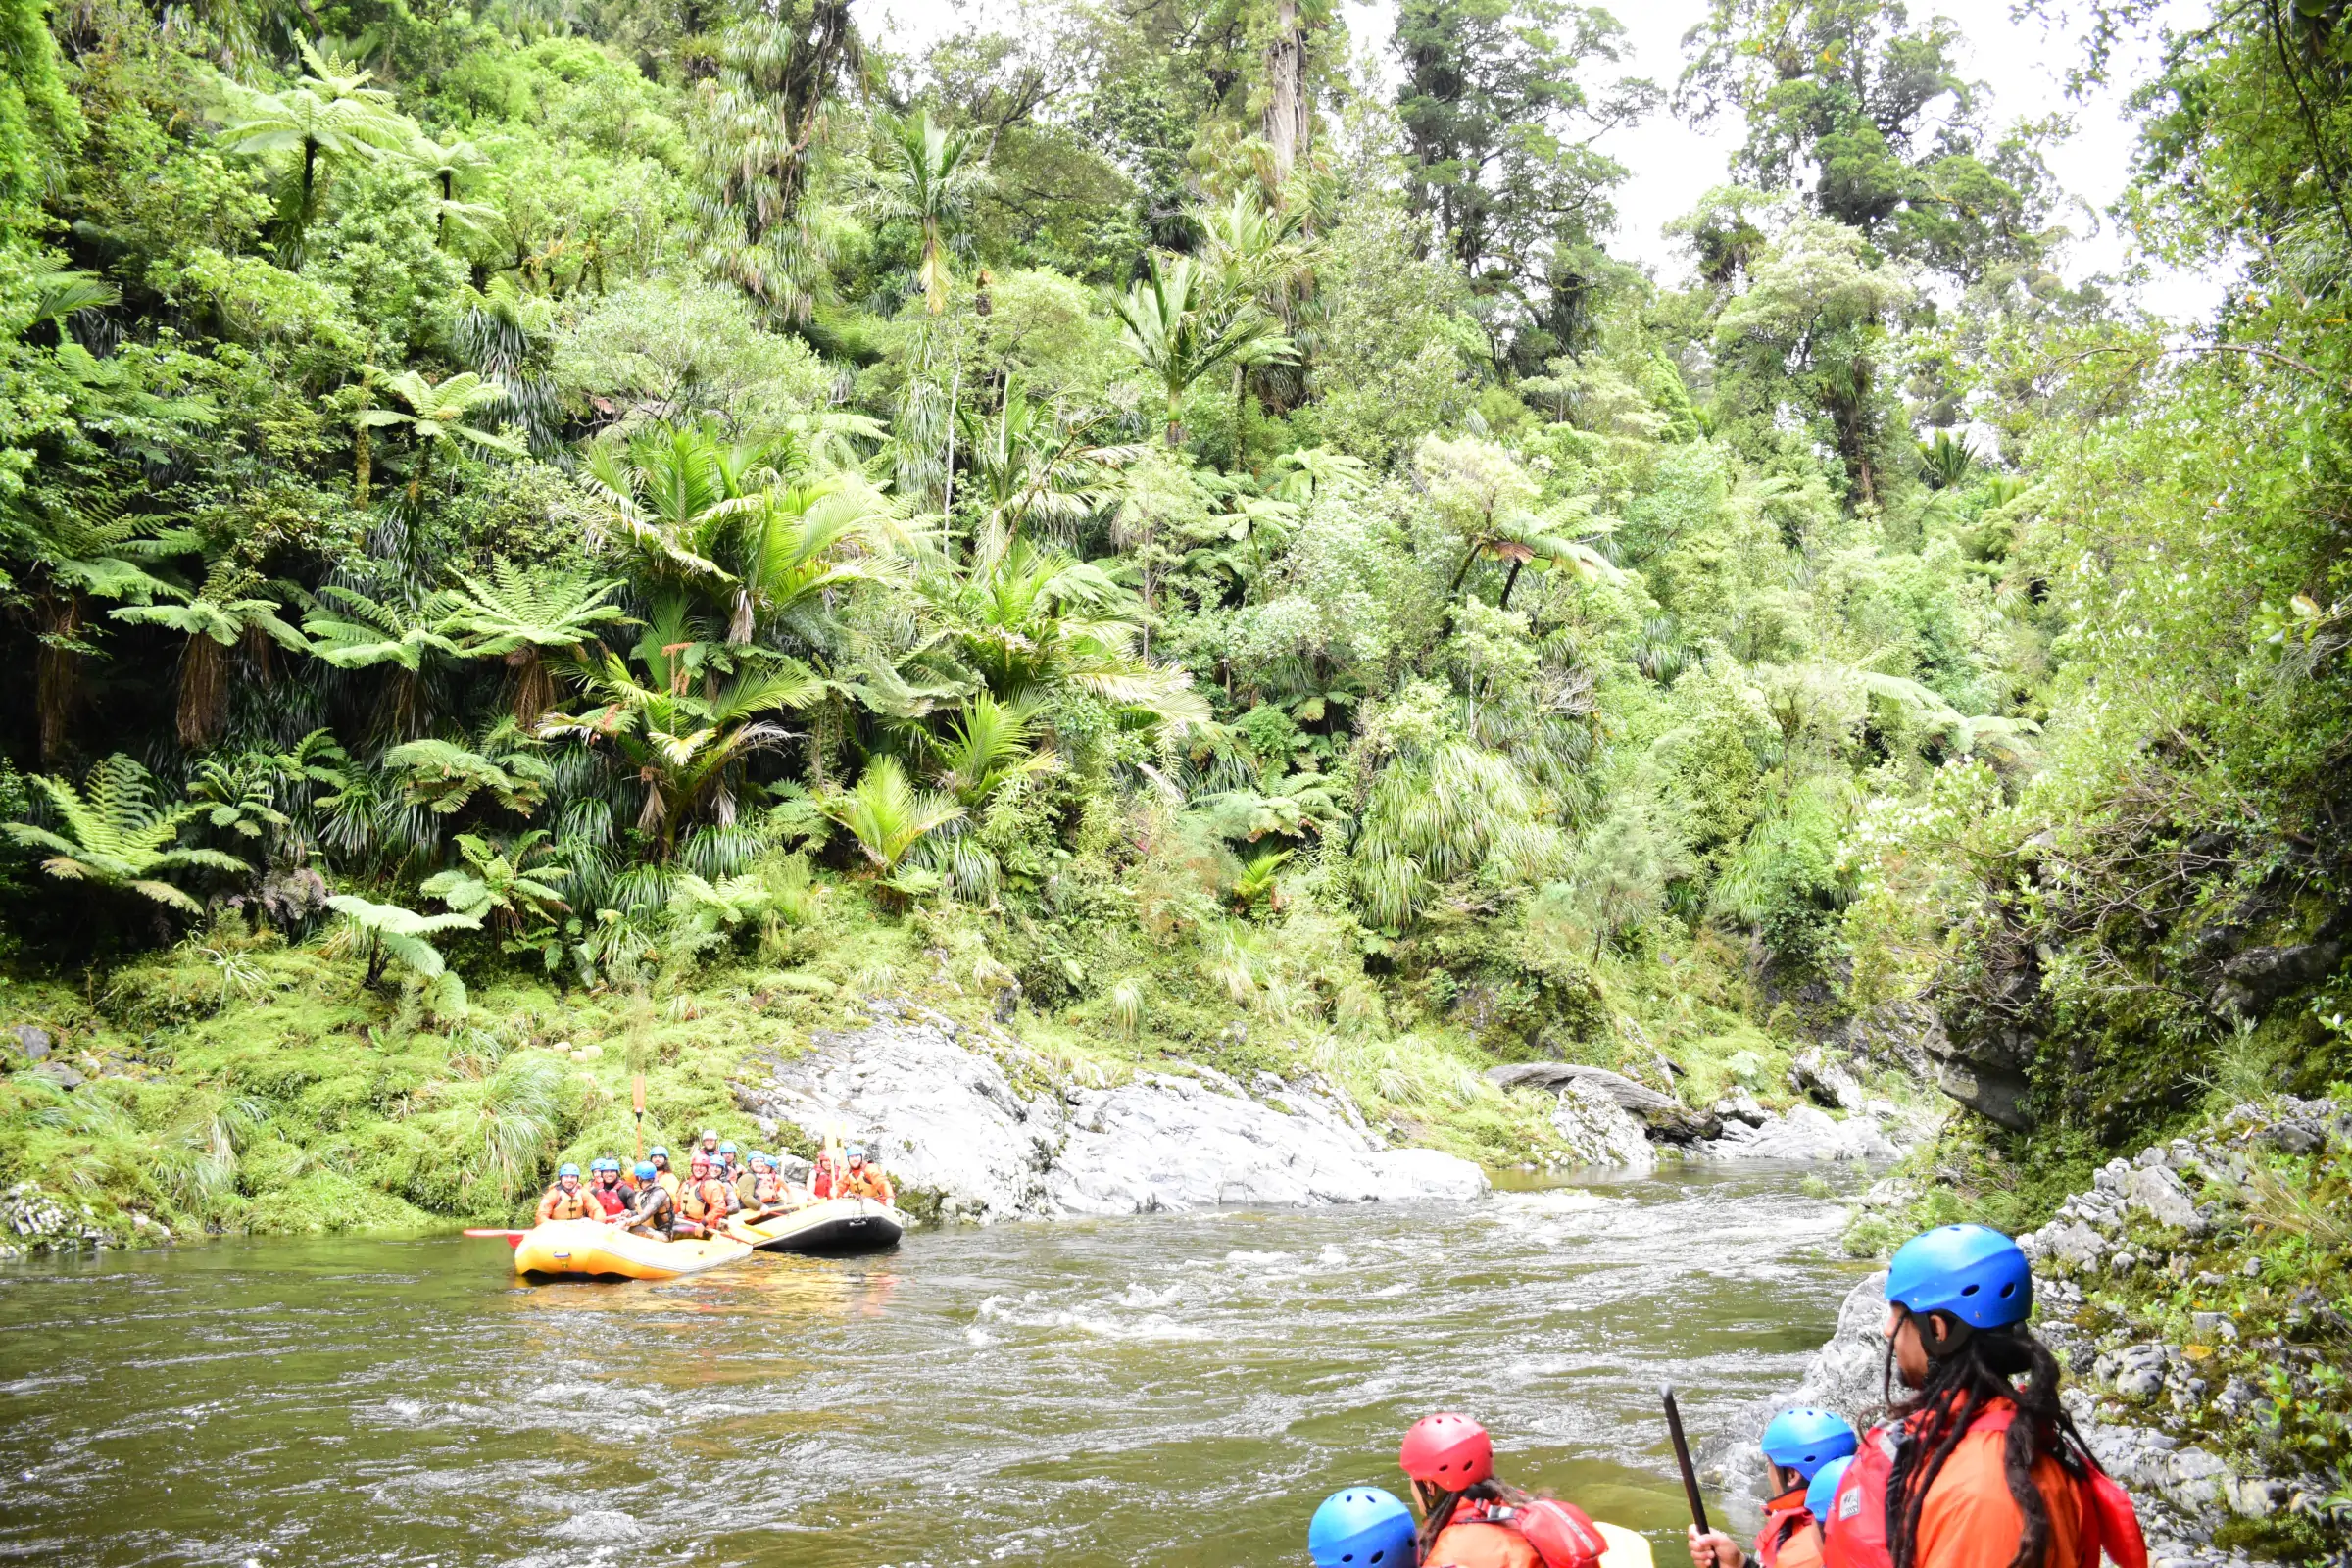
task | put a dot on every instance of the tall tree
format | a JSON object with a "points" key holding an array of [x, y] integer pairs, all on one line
{"points": [[927, 177], [1868, 112], [759, 122], [1500, 128]]}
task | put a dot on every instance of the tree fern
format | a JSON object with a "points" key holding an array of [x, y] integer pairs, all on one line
{"points": [[113, 834]]}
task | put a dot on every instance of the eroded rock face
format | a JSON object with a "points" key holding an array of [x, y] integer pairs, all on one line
{"points": [[952, 1125], [1600, 1131], [1808, 1133]]}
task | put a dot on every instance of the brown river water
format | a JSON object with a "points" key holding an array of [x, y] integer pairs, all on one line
{"points": [[1177, 1390]]}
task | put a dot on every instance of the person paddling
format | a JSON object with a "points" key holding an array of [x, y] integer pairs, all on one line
{"points": [[566, 1199], [1796, 1444], [1981, 1467], [1470, 1519]]}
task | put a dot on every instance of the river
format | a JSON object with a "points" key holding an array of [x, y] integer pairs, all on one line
{"points": [[1176, 1390]]}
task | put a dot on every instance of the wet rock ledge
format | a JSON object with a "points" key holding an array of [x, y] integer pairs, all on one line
{"points": [[975, 1126]]}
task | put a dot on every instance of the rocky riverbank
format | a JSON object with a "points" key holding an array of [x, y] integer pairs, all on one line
{"points": [[976, 1126], [2196, 1297]]}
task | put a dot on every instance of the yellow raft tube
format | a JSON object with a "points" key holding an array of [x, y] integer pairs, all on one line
{"points": [[589, 1249]]}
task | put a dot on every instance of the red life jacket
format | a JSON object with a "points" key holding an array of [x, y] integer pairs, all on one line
{"points": [[1858, 1513], [1790, 1538], [612, 1199], [1543, 1533]]}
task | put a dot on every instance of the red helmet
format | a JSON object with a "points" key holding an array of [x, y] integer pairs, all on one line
{"points": [[1451, 1451]]}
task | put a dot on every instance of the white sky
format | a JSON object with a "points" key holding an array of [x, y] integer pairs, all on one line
{"points": [[1672, 165]]}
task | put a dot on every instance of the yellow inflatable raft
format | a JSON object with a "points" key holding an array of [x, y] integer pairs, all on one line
{"points": [[585, 1248], [830, 1225]]}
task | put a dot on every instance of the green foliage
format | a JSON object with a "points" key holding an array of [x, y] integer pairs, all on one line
{"points": [[112, 834]]}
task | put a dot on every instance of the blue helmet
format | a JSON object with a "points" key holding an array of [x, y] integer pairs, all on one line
{"points": [[729, 1148], [1824, 1490], [1803, 1440], [657, 1151], [856, 1152], [1972, 1273], [1362, 1527], [566, 1169], [646, 1171]]}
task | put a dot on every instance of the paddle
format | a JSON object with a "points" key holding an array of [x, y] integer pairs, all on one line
{"points": [[1682, 1456], [637, 1097], [511, 1238]]}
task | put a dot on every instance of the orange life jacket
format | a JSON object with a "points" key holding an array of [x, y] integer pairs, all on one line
{"points": [[1856, 1529], [863, 1181], [1789, 1539], [557, 1203], [706, 1201], [1543, 1533], [768, 1189]]}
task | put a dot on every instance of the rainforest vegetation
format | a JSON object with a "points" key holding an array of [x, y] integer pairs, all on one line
{"points": [[576, 536]]}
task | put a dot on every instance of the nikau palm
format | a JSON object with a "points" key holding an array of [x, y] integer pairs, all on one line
{"points": [[928, 178], [1175, 331], [683, 743]]}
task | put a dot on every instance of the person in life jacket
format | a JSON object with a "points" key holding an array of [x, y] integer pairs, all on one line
{"points": [[707, 1143], [1979, 1466], [1796, 1444], [859, 1179], [654, 1213], [764, 1193], [708, 1200], [730, 1160], [567, 1198], [604, 1190], [1362, 1527], [1470, 1519], [659, 1158]]}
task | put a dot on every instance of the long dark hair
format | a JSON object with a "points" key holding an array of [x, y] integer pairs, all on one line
{"points": [[1441, 1512], [1986, 1365]]}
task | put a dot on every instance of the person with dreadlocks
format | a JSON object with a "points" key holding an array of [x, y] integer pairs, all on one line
{"points": [[1979, 1466]]}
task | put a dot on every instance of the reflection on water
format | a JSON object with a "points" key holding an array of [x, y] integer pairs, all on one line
{"points": [[1170, 1390]]}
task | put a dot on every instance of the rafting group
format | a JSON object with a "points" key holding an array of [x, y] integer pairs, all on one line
{"points": [[721, 1184], [646, 1221], [1978, 1465]]}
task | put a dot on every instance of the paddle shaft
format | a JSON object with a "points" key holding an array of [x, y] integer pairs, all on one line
{"points": [[1682, 1456], [637, 1095]]}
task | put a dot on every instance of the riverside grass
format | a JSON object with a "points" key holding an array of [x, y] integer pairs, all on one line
{"points": [[238, 1083]]}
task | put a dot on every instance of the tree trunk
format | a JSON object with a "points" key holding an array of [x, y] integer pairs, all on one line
{"points": [[57, 670], [1175, 423], [363, 466], [1509, 583], [203, 690], [1285, 121], [1467, 561]]}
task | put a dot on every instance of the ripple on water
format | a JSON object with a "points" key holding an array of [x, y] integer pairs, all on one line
{"points": [[1167, 1389]]}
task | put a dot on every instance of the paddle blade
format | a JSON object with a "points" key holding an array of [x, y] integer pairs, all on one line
{"points": [[637, 1094]]}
